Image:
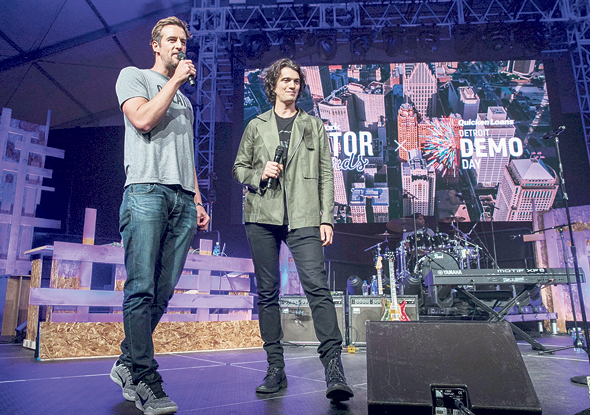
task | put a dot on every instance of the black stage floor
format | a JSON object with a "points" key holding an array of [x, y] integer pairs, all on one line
{"points": [[223, 382]]}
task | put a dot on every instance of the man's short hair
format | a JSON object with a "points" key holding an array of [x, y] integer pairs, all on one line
{"points": [[172, 20], [273, 73]]}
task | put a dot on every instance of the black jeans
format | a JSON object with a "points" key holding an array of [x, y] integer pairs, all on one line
{"points": [[306, 246]]}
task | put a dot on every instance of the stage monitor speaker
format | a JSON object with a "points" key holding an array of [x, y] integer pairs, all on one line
{"points": [[296, 319], [363, 308], [407, 360]]}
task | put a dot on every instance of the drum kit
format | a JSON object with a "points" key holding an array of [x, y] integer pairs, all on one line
{"points": [[422, 250]]}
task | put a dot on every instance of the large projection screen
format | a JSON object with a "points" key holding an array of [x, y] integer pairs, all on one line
{"points": [[457, 141]]}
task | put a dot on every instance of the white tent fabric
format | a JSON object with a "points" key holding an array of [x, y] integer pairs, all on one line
{"points": [[65, 55]]}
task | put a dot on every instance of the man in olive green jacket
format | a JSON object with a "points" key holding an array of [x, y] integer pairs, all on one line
{"points": [[284, 160]]}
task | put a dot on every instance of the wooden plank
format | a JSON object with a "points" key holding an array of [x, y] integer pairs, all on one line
{"points": [[191, 282], [41, 250], [533, 237], [118, 318], [115, 255], [219, 263], [88, 253], [48, 151], [99, 298], [40, 222]]}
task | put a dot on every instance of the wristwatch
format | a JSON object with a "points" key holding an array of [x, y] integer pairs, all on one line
{"points": [[199, 204]]}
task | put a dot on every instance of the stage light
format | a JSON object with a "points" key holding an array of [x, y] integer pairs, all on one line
{"points": [[465, 38], [531, 36], [309, 40], [256, 45], [393, 38], [428, 39], [287, 44], [496, 36], [326, 44], [354, 285], [192, 49], [360, 42]]}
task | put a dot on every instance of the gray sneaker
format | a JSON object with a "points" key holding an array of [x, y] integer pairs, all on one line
{"points": [[151, 398], [121, 375]]}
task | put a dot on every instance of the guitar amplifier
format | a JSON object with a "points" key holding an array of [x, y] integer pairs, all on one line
{"points": [[363, 308], [296, 319]]}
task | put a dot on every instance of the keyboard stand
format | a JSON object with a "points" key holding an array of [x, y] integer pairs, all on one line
{"points": [[496, 316]]}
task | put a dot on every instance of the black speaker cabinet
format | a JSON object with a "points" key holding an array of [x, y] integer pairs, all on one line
{"points": [[363, 308], [405, 360], [296, 319]]}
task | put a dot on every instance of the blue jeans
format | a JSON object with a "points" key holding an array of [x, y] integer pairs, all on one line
{"points": [[157, 223], [306, 247]]}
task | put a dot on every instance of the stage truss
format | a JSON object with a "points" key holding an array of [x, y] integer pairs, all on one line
{"points": [[220, 28]]}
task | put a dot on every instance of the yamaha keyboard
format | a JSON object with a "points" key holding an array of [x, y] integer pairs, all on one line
{"points": [[505, 276]]}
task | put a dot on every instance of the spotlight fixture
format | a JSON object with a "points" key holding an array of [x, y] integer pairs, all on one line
{"points": [[192, 49], [496, 37], [393, 38], [465, 37], [354, 285], [531, 36], [287, 44], [326, 44], [360, 43], [256, 45], [428, 39]]}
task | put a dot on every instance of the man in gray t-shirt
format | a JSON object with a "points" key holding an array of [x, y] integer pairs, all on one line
{"points": [[161, 207]]}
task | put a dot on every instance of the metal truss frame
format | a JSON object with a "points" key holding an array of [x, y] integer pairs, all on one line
{"points": [[217, 27]]}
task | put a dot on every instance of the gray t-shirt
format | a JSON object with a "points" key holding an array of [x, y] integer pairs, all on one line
{"points": [[165, 155]]}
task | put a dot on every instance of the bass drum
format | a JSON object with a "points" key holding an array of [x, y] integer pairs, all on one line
{"points": [[438, 296], [435, 261]]}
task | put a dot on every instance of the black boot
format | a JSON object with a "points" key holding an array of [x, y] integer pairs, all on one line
{"points": [[338, 390], [274, 380]]}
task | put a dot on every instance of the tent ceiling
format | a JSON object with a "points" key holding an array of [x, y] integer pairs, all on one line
{"points": [[65, 56]]}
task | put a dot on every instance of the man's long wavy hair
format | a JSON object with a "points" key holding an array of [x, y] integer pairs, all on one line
{"points": [[273, 73]]}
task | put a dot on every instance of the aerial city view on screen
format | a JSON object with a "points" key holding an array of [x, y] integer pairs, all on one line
{"points": [[460, 141]]}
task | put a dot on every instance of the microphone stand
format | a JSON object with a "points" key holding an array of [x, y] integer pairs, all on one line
{"points": [[413, 199], [576, 379], [492, 208]]}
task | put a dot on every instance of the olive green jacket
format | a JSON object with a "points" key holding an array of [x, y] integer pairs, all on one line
{"points": [[307, 178]]}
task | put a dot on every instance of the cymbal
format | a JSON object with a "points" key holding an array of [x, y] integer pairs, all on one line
{"points": [[401, 225], [386, 234], [452, 219]]}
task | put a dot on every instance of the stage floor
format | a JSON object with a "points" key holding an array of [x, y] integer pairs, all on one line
{"points": [[223, 382]]}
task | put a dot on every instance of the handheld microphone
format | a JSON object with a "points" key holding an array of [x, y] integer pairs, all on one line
{"points": [[191, 79], [278, 158], [553, 133]]}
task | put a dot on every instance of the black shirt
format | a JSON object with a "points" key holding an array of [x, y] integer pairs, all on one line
{"points": [[285, 126]]}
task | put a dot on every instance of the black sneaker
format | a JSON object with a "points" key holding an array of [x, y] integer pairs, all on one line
{"points": [[151, 398], [338, 390], [274, 380], [121, 375]]}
